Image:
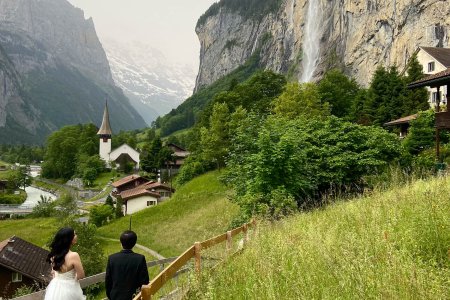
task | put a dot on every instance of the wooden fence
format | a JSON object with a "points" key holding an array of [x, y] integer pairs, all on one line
{"points": [[98, 278], [147, 291]]}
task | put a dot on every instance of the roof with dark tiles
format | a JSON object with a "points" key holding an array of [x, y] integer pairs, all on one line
{"points": [[442, 55], [26, 258]]}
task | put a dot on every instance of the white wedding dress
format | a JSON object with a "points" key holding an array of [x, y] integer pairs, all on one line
{"points": [[64, 286]]}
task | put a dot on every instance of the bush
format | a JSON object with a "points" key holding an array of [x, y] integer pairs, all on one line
{"points": [[45, 208], [304, 159], [99, 215], [192, 167]]}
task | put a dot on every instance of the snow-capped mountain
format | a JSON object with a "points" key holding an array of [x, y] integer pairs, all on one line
{"points": [[152, 83]]}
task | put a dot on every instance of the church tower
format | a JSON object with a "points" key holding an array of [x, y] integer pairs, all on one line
{"points": [[105, 136]]}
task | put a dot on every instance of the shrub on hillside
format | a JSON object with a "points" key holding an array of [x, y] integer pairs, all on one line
{"points": [[305, 159]]}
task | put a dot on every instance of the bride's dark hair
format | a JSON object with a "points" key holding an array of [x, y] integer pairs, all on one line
{"points": [[60, 246]]}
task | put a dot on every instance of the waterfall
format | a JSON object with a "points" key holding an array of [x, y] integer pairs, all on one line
{"points": [[311, 40]]}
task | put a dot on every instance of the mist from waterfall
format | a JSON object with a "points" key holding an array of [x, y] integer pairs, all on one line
{"points": [[311, 40]]}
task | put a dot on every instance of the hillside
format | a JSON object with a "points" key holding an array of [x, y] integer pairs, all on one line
{"points": [[197, 211], [54, 72], [389, 245]]}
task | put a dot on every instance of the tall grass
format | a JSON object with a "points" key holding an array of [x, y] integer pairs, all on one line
{"points": [[389, 245]]}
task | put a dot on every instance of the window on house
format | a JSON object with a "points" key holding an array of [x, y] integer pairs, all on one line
{"points": [[434, 97], [431, 66], [150, 203], [16, 277]]}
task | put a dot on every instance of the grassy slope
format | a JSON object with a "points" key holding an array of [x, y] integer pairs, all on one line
{"points": [[391, 245], [36, 231], [198, 210]]}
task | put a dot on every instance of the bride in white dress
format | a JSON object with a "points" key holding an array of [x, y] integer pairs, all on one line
{"points": [[67, 268]]}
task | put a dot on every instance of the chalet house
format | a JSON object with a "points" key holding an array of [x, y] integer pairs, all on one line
{"points": [[137, 199], [162, 189], [22, 263], [127, 183], [138, 193], [179, 155], [434, 60]]}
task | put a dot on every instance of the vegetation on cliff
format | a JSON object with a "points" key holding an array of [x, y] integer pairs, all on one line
{"points": [[255, 9]]}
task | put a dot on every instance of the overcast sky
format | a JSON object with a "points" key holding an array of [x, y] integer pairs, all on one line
{"points": [[167, 25]]}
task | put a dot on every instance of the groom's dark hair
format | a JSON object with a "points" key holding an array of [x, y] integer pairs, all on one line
{"points": [[128, 239]]}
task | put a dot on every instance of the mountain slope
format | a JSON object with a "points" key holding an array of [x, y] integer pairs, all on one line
{"points": [[153, 84], [53, 72], [354, 35]]}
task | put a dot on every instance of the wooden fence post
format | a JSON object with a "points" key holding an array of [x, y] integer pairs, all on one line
{"points": [[229, 242], [198, 250], [145, 294]]}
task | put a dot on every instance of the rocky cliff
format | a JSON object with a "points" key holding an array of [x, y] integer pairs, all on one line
{"points": [[53, 72], [353, 35]]}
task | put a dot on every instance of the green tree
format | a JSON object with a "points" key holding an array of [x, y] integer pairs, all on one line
{"points": [[109, 201], [100, 214], [19, 178], [300, 100], [387, 94], [119, 206], [421, 134], [215, 139], [339, 91], [65, 147], [416, 99]]}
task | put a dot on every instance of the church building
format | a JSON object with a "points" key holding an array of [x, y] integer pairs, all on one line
{"points": [[122, 154]]}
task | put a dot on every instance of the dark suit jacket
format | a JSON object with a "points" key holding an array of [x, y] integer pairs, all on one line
{"points": [[126, 271]]}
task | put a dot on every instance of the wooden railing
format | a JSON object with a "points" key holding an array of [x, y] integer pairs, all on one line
{"points": [[85, 282], [147, 291]]}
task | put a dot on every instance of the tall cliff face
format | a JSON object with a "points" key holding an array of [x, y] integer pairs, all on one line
{"points": [[53, 72], [354, 35]]}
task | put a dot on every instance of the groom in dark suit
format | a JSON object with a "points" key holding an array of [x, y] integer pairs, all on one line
{"points": [[126, 271]]}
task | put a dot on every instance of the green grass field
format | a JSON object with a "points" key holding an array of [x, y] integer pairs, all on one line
{"points": [[36, 231], [389, 245]]}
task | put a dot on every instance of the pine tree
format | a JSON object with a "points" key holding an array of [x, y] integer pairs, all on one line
{"points": [[416, 99]]}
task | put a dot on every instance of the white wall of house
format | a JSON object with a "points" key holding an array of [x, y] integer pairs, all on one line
{"points": [[125, 149], [432, 66], [139, 203]]}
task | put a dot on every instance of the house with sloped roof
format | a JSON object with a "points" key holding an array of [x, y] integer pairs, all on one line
{"points": [[138, 193], [127, 183], [22, 263], [164, 190], [137, 199], [434, 60]]}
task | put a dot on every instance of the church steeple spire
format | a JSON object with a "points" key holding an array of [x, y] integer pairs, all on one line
{"points": [[105, 128]]}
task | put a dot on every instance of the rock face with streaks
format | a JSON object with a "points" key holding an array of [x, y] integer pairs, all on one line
{"points": [[353, 35]]}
